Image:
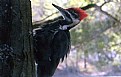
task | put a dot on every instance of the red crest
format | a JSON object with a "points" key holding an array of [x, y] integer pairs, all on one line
{"points": [[82, 13]]}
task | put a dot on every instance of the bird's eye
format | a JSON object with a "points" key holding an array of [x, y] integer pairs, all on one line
{"points": [[74, 14]]}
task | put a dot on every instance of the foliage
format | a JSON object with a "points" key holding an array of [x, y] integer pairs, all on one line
{"points": [[98, 35]]}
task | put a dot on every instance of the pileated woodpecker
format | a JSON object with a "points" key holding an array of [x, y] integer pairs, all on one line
{"points": [[52, 40]]}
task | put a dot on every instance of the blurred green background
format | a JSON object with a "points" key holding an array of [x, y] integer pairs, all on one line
{"points": [[96, 41]]}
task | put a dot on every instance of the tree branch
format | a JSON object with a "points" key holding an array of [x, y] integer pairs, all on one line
{"points": [[106, 13], [99, 32], [36, 23], [99, 8]]}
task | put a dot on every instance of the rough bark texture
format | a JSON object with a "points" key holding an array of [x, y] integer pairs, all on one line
{"points": [[16, 51]]}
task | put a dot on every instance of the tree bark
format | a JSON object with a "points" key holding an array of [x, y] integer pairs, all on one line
{"points": [[16, 49]]}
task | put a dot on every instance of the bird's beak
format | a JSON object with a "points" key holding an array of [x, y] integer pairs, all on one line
{"points": [[59, 8], [64, 12]]}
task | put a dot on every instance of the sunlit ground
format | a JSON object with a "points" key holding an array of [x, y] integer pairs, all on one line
{"points": [[82, 72], [71, 68], [100, 38]]}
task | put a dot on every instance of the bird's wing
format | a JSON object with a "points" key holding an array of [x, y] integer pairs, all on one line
{"points": [[42, 40], [60, 45]]}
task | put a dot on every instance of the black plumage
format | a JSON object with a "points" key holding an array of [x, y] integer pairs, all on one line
{"points": [[52, 40], [51, 45]]}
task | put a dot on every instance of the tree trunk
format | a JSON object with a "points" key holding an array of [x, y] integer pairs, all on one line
{"points": [[16, 50]]}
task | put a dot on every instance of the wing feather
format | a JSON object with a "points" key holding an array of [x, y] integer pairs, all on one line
{"points": [[60, 44]]}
